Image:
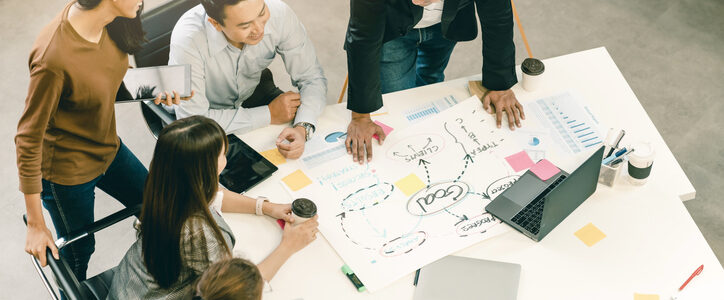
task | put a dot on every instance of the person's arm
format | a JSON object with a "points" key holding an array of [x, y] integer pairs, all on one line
{"points": [[496, 22], [302, 65], [294, 238], [365, 36], [237, 203], [46, 87], [182, 51]]}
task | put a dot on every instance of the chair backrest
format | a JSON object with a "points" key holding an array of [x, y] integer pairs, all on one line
{"points": [[158, 24]]}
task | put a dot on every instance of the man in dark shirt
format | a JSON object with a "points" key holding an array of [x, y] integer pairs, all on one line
{"points": [[399, 44]]}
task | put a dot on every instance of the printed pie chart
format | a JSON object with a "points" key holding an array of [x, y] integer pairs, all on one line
{"points": [[335, 137], [534, 141]]}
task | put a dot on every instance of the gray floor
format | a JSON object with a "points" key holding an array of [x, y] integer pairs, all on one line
{"points": [[669, 51]]}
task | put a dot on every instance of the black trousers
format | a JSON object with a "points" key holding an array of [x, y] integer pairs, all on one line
{"points": [[264, 93]]}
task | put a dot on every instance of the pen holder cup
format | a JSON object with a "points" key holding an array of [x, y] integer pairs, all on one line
{"points": [[609, 175]]}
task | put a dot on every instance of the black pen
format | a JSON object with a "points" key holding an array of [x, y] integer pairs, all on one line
{"points": [[417, 276]]}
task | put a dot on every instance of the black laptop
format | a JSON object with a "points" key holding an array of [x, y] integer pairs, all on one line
{"points": [[534, 207], [245, 167]]}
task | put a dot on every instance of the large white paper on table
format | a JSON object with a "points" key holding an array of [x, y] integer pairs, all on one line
{"points": [[421, 198]]}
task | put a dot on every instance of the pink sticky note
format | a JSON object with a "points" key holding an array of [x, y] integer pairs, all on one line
{"points": [[544, 169], [386, 129], [520, 161]]}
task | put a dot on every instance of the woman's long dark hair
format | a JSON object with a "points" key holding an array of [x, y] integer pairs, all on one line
{"points": [[126, 33], [182, 181]]}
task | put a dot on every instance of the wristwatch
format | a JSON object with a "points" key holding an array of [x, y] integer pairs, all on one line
{"points": [[259, 203], [308, 128]]}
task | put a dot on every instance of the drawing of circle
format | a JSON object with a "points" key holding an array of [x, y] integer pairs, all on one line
{"points": [[403, 244], [335, 137], [436, 197], [500, 185], [534, 141], [367, 197], [477, 224]]}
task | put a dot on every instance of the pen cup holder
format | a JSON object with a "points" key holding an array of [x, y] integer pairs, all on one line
{"points": [[609, 175]]}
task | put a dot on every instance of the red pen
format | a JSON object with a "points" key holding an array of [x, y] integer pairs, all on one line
{"points": [[697, 272]]}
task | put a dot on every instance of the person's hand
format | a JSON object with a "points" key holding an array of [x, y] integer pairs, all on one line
{"points": [[171, 100], [296, 137], [424, 3], [359, 137], [38, 239], [284, 107], [296, 237], [504, 101], [278, 211]]}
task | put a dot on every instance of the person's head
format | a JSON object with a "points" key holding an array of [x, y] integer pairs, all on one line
{"points": [[125, 30], [241, 21], [230, 279], [183, 179]]}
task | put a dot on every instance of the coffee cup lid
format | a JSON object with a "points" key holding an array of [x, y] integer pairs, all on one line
{"points": [[304, 208], [532, 66], [643, 153]]}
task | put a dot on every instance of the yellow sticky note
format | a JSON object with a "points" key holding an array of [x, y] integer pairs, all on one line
{"points": [[410, 184], [645, 297], [590, 234], [274, 156], [297, 180]]}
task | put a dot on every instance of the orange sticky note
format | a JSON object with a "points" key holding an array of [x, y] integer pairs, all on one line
{"points": [[645, 296], [297, 180], [410, 184], [274, 156], [590, 234]]}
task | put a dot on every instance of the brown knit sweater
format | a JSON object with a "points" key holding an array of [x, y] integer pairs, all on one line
{"points": [[67, 132]]}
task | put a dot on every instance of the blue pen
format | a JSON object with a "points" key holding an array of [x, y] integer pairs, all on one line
{"points": [[618, 154], [622, 151]]}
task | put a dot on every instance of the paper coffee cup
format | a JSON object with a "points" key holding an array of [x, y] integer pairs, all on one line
{"points": [[640, 162], [303, 209], [533, 70]]}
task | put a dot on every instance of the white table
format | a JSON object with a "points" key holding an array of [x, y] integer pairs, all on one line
{"points": [[652, 244]]}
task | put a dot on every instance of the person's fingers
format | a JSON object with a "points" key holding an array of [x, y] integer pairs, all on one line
{"points": [[381, 134], [347, 144], [354, 146], [169, 99], [361, 150], [368, 147], [53, 249], [498, 116], [284, 147], [511, 119], [486, 104], [176, 98], [158, 100], [520, 109], [516, 114], [40, 255]]}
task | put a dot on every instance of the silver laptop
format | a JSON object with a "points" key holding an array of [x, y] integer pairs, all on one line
{"points": [[460, 278]]}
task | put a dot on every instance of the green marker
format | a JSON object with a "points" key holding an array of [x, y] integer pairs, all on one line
{"points": [[357, 283]]}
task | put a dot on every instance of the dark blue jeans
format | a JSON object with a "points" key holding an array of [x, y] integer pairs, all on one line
{"points": [[71, 207], [415, 59]]}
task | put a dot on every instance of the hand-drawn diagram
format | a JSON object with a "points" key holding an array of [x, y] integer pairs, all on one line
{"points": [[424, 198]]}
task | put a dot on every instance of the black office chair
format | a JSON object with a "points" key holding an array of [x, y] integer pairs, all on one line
{"points": [[158, 24], [95, 287]]}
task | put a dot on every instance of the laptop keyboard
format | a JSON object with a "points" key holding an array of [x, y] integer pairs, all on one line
{"points": [[530, 216]]}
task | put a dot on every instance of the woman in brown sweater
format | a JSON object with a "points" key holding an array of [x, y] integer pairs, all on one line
{"points": [[66, 142]]}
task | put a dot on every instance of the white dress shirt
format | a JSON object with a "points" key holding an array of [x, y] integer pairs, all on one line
{"points": [[223, 76]]}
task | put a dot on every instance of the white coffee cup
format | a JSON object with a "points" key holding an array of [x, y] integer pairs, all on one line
{"points": [[640, 162], [533, 70], [303, 209]]}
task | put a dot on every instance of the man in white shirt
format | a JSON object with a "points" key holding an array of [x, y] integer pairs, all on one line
{"points": [[229, 44]]}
